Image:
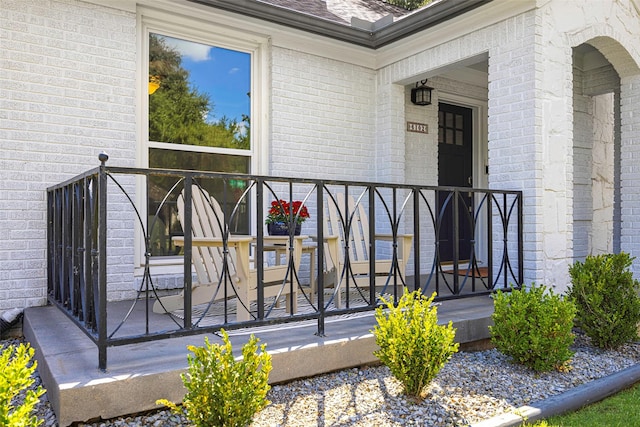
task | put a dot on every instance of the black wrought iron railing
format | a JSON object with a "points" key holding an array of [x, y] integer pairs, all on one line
{"points": [[144, 254]]}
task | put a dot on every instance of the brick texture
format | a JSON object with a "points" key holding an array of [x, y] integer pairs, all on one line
{"points": [[68, 93], [322, 118]]}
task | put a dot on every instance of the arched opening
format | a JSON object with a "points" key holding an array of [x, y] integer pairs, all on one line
{"points": [[596, 154]]}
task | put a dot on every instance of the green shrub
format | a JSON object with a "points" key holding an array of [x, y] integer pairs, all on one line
{"points": [[606, 296], [16, 368], [222, 391], [412, 344], [534, 327]]}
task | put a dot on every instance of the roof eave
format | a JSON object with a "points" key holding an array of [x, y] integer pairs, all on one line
{"points": [[293, 19], [411, 24], [423, 19]]}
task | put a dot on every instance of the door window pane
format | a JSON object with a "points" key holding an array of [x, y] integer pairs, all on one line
{"points": [[448, 122], [449, 136], [459, 121]]}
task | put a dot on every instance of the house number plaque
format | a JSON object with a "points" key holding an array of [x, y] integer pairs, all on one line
{"points": [[417, 127]]}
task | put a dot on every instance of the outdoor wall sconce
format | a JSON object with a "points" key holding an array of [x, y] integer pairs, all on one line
{"points": [[421, 95]]}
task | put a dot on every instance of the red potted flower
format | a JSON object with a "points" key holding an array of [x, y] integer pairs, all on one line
{"points": [[282, 213]]}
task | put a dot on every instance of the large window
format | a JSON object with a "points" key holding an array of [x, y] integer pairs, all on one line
{"points": [[199, 117]]}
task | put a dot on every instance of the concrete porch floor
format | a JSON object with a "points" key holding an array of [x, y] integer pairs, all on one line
{"points": [[139, 374]]}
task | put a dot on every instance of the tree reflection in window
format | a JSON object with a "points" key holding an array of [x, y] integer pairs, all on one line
{"points": [[199, 109]]}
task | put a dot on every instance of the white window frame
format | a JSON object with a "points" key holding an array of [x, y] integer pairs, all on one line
{"points": [[205, 30]]}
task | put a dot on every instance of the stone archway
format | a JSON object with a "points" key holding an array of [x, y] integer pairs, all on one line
{"points": [[617, 48], [596, 154]]}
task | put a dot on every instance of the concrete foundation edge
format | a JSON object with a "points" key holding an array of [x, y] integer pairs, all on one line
{"points": [[569, 401], [131, 386]]}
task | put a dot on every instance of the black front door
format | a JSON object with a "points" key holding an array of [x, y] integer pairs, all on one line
{"points": [[455, 157]]}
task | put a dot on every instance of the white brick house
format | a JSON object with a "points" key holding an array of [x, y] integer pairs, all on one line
{"points": [[553, 88]]}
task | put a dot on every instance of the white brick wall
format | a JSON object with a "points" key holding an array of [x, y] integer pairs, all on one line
{"points": [[322, 121], [390, 133], [68, 85], [421, 167], [630, 167], [514, 153], [322, 118]]}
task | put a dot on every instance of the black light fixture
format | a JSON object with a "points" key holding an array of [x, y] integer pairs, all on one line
{"points": [[421, 95]]}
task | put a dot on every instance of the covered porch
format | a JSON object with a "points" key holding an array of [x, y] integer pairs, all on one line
{"points": [[114, 324]]}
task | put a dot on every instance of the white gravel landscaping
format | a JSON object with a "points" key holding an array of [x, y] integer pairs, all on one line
{"points": [[472, 386]]}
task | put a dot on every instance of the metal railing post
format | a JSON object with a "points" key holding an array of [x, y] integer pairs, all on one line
{"points": [[260, 248], [456, 243], [188, 249], [416, 239], [320, 254], [490, 240], [520, 241], [372, 244], [102, 263]]}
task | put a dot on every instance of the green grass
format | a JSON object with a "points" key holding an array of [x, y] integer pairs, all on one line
{"points": [[622, 409]]}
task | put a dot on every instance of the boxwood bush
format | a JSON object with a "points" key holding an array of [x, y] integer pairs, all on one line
{"points": [[223, 391], [606, 296], [534, 327], [412, 344], [16, 369]]}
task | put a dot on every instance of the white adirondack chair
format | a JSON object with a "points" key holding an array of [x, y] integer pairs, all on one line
{"points": [[358, 244], [208, 262]]}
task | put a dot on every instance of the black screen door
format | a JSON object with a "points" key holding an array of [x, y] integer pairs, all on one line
{"points": [[455, 160]]}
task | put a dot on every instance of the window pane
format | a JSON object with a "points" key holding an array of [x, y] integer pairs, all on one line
{"points": [[198, 94], [449, 136], [459, 138], [448, 120], [163, 220], [187, 160], [459, 121]]}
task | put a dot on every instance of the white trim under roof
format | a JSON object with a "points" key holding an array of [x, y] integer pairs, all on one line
{"points": [[412, 23]]}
